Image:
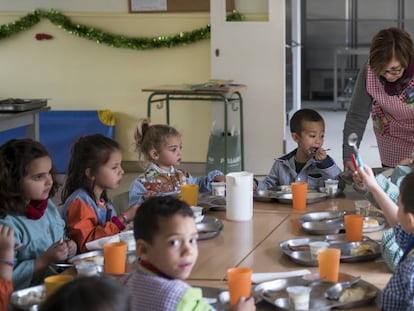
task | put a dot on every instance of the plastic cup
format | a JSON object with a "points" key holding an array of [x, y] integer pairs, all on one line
{"points": [[299, 193], [299, 297], [52, 283], [218, 188], [353, 227], [240, 283], [328, 263], [189, 194], [362, 207], [331, 186], [315, 247], [115, 257]]}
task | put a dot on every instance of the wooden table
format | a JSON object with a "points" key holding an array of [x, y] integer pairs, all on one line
{"points": [[228, 95], [29, 118], [255, 244]]}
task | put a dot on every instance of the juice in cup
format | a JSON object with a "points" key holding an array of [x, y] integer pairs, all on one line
{"points": [[328, 262]]}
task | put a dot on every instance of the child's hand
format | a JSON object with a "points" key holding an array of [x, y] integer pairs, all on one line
{"points": [[407, 162], [72, 248], [320, 154], [130, 212], [245, 305], [365, 177], [6, 242], [220, 178], [58, 252]]}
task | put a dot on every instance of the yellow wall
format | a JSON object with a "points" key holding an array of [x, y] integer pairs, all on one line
{"points": [[77, 74]]}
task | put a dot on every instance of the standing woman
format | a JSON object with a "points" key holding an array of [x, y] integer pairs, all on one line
{"points": [[385, 89]]}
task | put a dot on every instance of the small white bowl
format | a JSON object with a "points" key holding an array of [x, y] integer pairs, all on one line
{"points": [[198, 213]]}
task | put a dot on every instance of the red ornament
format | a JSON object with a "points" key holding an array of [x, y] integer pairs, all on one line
{"points": [[43, 36]]}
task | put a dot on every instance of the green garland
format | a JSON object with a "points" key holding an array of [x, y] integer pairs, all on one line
{"points": [[113, 40]]}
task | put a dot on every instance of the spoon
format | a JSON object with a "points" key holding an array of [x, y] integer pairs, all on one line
{"points": [[352, 141], [335, 291]]}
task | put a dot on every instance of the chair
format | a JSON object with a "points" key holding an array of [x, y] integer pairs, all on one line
{"points": [[120, 202]]}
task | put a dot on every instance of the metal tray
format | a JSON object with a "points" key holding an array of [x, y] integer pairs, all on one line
{"points": [[265, 196], [333, 222], [298, 249], [209, 227], [312, 197], [26, 298], [274, 292], [213, 203], [85, 255]]}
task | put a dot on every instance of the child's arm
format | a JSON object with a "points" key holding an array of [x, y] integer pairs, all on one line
{"points": [[6, 264], [83, 226]]}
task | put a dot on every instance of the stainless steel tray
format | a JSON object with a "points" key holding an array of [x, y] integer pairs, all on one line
{"points": [[209, 227], [312, 197], [274, 292], [265, 196], [213, 203], [26, 298], [333, 222], [298, 249]]}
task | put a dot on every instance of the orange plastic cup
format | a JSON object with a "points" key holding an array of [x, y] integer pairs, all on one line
{"points": [[299, 193], [328, 262], [115, 257], [52, 283], [353, 227], [240, 283], [189, 194]]}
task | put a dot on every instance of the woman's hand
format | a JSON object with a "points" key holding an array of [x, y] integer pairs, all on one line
{"points": [[348, 166]]}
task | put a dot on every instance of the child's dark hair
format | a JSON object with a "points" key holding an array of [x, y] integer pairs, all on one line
{"points": [[97, 293], [151, 136], [296, 122], [407, 194], [148, 215], [15, 157], [91, 152]]}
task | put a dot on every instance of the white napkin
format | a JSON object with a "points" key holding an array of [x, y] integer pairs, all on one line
{"points": [[98, 244], [269, 276]]}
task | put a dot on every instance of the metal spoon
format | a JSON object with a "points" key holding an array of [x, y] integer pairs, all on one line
{"points": [[335, 291], [352, 141]]}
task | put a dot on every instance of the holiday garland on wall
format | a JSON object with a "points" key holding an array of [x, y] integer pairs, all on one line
{"points": [[110, 39]]}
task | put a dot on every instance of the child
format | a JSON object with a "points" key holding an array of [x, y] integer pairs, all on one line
{"points": [[6, 265], [390, 250], [161, 146], [94, 167], [166, 242], [309, 161], [26, 184], [399, 292], [96, 293]]}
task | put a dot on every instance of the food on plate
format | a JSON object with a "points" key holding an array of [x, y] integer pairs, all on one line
{"points": [[371, 222], [362, 250], [352, 294], [98, 259], [298, 248], [33, 297]]}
